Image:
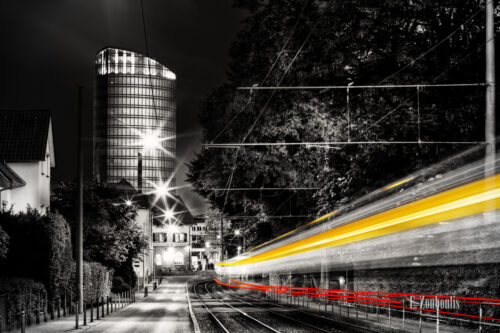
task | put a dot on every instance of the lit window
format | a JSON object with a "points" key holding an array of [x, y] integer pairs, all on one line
{"points": [[159, 237], [178, 258], [158, 259], [180, 237]]}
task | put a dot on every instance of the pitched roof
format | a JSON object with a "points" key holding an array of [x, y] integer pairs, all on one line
{"points": [[24, 135], [9, 179]]}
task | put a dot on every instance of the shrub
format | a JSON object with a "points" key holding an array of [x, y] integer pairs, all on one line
{"points": [[39, 249], [96, 281], [4, 243], [21, 294], [119, 285]]}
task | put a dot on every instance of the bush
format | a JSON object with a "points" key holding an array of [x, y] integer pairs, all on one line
{"points": [[39, 249], [4, 243], [119, 285], [96, 281], [21, 294]]}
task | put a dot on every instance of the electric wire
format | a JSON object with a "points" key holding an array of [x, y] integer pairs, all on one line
{"points": [[268, 72]]}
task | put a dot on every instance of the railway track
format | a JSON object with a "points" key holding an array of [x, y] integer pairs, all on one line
{"points": [[242, 322], [312, 320], [264, 317]]}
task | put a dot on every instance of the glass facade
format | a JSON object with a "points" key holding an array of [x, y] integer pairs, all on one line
{"points": [[133, 97]]}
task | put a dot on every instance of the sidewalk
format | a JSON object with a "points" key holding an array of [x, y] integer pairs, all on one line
{"points": [[163, 311]]}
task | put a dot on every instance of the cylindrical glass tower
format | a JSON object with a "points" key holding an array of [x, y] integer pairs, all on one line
{"points": [[134, 120]]}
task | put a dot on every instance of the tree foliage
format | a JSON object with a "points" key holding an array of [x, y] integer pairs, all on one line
{"points": [[4, 243], [40, 249], [110, 234], [340, 42]]}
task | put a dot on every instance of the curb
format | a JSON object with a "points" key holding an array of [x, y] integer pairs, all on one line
{"points": [[191, 313]]}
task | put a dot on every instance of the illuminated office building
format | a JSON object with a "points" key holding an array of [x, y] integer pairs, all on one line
{"points": [[134, 119]]}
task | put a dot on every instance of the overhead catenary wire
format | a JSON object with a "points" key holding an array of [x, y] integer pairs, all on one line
{"points": [[249, 217], [264, 189], [327, 144], [268, 72], [387, 86], [339, 143], [434, 46], [286, 71], [268, 100]]}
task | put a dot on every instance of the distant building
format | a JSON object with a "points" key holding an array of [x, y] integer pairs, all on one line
{"points": [[134, 103], [206, 248], [26, 159], [172, 238]]}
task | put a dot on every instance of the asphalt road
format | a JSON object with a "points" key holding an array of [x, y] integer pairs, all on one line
{"points": [[165, 310]]}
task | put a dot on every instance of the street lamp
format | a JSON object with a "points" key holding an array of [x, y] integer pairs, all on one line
{"points": [[237, 232]]}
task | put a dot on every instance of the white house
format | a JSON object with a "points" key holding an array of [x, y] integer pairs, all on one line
{"points": [[172, 236], [26, 159]]}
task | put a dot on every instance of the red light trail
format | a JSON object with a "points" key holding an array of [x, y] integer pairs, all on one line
{"points": [[350, 296]]}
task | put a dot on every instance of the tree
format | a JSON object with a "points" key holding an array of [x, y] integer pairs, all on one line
{"points": [[340, 42], [110, 234]]}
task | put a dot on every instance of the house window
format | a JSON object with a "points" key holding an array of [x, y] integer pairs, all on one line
{"points": [[180, 237], [159, 237]]}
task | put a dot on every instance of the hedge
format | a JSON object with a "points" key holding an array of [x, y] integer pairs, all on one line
{"points": [[97, 281], [39, 249], [21, 294], [4, 243]]}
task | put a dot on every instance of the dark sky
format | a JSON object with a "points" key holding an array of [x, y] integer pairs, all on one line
{"points": [[48, 48]]}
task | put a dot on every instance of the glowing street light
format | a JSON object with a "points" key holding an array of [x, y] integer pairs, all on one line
{"points": [[128, 203], [150, 141], [237, 232], [162, 190], [169, 214]]}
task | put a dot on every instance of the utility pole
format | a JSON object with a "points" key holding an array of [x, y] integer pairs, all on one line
{"points": [[221, 237], [490, 89], [79, 226]]}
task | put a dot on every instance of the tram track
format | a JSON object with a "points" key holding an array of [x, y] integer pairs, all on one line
{"points": [[260, 315], [305, 318], [238, 321]]}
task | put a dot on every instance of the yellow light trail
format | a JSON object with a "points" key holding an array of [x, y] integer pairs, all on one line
{"points": [[295, 230], [398, 183], [473, 198]]}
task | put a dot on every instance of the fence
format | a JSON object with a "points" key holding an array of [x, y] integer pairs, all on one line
{"points": [[395, 309], [39, 310]]}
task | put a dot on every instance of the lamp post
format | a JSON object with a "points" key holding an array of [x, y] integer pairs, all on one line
{"points": [[79, 227], [237, 232]]}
